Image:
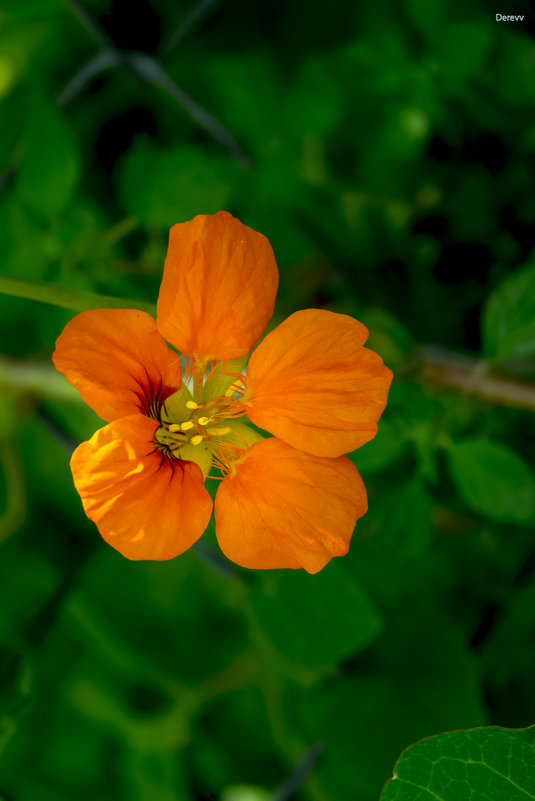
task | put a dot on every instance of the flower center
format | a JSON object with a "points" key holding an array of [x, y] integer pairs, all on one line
{"points": [[199, 423]]}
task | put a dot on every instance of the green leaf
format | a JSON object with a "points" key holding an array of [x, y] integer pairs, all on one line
{"points": [[401, 523], [384, 449], [462, 48], [163, 187], [50, 165], [16, 685], [315, 620], [509, 318], [245, 793], [493, 480], [418, 678], [487, 764], [74, 299]]}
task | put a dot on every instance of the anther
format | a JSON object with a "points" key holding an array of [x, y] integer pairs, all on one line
{"points": [[196, 440], [233, 389], [192, 405], [173, 428], [219, 432], [187, 425], [203, 421]]}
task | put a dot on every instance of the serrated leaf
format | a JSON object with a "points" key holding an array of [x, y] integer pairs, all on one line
{"points": [[316, 620], [509, 318], [493, 480], [486, 764]]}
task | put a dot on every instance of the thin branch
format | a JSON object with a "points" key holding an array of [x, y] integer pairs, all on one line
{"points": [[104, 59], [474, 377], [302, 770], [149, 70], [198, 12], [91, 27]]}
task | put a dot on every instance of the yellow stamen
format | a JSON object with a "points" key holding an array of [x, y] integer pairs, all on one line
{"points": [[187, 425], [192, 405], [219, 432], [174, 427], [196, 440], [232, 390], [203, 421]]}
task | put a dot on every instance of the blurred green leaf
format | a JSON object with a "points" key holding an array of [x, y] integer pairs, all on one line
{"points": [[401, 522], [427, 16], [509, 317], [493, 480], [31, 8], [462, 48], [243, 793], [315, 620], [417, 678], [166, 186], [16, 685], [487, 763], [51, 163], [388, 336], [384, 449]]}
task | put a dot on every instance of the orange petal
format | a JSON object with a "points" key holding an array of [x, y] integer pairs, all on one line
{"points": [[118, 361], [144, 505], [218, 288], [286, 508], [313, 384]]}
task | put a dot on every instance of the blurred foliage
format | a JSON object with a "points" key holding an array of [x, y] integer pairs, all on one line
{"points": [[387, 153]]}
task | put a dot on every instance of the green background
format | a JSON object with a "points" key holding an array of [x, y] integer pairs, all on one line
{"points": [[387, 150]]}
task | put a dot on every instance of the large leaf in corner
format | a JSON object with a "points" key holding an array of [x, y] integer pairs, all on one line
{"points": [[487, 764]]}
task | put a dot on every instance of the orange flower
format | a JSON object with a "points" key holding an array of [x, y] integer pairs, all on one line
{"points": [[290, 500]]}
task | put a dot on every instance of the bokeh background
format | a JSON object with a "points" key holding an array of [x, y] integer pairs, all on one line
{"points": [[387, 151]]}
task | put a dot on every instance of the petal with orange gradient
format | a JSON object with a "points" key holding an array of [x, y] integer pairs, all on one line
{"points": [[313, 384], [218, 288], [118, 361], [285, 508], [144, 505]]}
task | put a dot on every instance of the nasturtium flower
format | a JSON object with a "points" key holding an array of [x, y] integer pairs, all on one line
{"points": [[174, 417]]}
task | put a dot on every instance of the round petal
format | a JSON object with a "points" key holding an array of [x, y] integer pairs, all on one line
{"points": [[313, 384], [218, 288], [144, 505], [118, 361], [285, 508]]}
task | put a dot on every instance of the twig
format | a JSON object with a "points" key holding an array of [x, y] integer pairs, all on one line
{"points": [[474, 377], [103, 60], [150, 70], [302, 769], [94, 30], [200, 9]]}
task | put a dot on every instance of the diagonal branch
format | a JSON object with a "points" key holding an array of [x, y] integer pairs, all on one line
{"points": [[104, 59], [198, 12], [151, 71], [473, 376], [302, 770]]}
